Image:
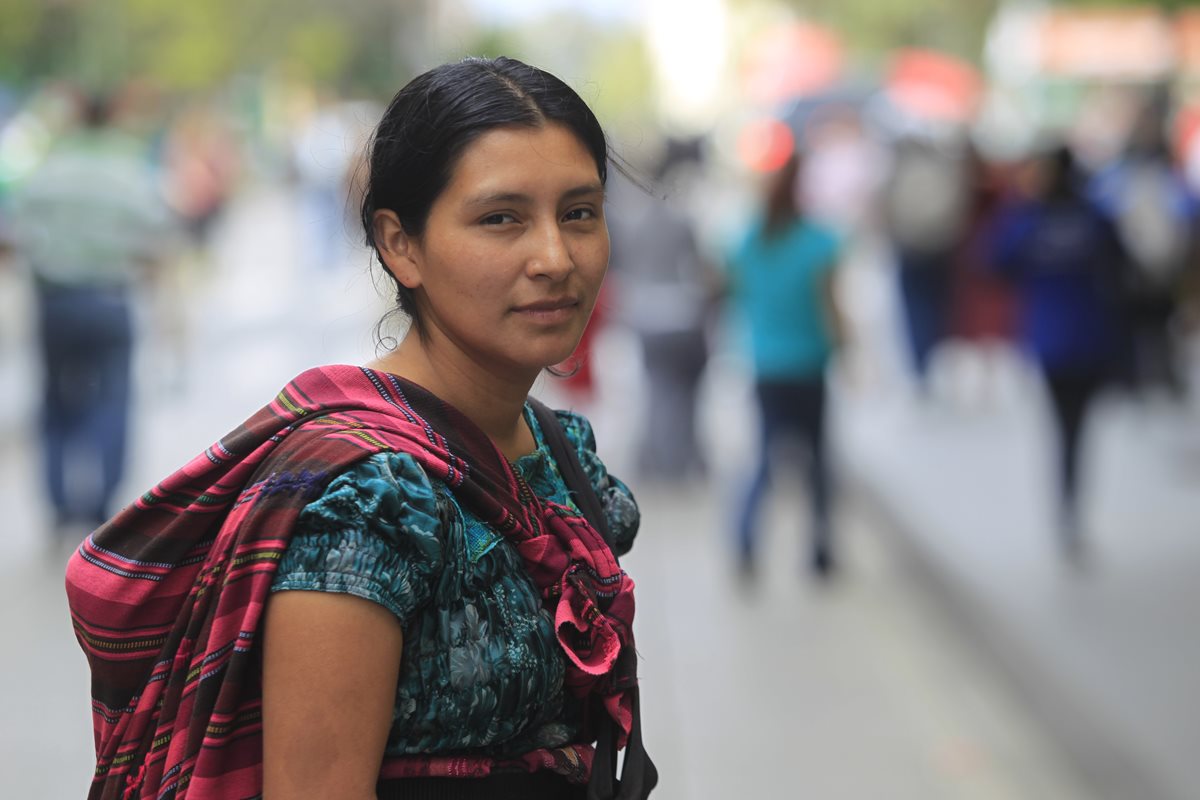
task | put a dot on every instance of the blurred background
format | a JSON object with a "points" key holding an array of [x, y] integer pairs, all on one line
{"points": [[1011, 458]]}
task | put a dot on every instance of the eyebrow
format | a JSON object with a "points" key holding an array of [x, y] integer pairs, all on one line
{"points": [[518, 197]]}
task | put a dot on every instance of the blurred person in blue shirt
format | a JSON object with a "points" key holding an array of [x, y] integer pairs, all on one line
{"points": [[781, 286], [88, 222], [1068, 263]]}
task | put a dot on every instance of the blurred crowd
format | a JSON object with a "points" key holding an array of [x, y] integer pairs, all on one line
{"points": [[1082, 258], [1079, 260]]}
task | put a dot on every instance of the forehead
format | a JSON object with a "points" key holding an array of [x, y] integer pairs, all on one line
{"points": [[522, 157]]}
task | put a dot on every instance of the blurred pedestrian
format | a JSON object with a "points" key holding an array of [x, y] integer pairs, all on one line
{"points": [[324, 154], [781, 277], [91, 226], [399, 580], [923, 206], [845, 168], [983, 312], [666, 294], [1146, 195], [1067, 262], [201, 165]]}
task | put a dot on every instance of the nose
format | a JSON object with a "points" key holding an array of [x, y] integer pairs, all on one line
{"points": [[551, 257]]}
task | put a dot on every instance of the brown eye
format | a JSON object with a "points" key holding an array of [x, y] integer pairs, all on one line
{"points": [[577, 214]]}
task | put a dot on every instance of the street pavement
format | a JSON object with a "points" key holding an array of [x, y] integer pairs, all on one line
{"points": [[1104, 647], [875, 685]]}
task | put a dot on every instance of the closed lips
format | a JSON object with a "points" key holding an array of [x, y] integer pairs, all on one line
{"points": [[549, 305]]}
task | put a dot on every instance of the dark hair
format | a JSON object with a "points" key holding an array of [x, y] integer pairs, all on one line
{"points": [[781, 206], [96, 110], [1064, 177], [429, 123]]}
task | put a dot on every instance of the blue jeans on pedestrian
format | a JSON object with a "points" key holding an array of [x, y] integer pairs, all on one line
{"points": [[86, 347], [787, 409], [924, 284]]}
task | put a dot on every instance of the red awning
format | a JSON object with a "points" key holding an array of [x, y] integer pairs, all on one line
{"points": [[791, 61]]}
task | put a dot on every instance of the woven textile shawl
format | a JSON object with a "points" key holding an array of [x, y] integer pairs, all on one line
{"points": [[167, 597]]}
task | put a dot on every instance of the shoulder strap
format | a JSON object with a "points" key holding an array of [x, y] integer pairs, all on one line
{"points": [[572, 471], [638, 774]]}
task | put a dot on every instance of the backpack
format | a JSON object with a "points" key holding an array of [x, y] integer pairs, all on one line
{"points": [[925, 202], [1153, 220]]}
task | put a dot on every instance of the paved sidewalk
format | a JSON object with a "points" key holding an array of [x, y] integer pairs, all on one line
{"points": [[1106, 650]]}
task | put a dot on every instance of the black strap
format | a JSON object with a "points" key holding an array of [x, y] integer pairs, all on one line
{"points": [[576, 479], [639, 775], [542, 785]]}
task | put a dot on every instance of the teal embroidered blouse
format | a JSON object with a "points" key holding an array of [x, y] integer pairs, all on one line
{"points": [[481, 669]]}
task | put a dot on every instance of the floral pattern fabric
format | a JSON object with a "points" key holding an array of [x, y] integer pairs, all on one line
{"points": [[482, 671]]}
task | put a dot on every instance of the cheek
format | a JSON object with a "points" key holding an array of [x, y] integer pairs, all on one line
{"points": [[467, 271], [600, 262], [593, 255]]}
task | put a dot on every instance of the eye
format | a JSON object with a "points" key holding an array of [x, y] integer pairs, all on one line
{"points": [[579, 214], [498, 218]]}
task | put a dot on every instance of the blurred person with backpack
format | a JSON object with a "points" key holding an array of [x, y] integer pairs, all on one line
{"points": [[924, 205], [1156, 215]]}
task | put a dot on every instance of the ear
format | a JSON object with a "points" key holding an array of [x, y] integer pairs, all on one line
{"points": [[399, 251]]}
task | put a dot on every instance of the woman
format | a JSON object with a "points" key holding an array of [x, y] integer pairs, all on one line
{"points": [[395, 593], [1067, 262], [781, 277]]}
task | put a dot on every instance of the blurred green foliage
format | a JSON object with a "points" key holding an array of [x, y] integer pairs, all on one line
{"points": [[872, 29], [371, 46], [607, 64], [190, 46]]}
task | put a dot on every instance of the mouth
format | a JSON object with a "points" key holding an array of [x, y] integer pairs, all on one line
{"points": [[551, 310], [552, 304]]}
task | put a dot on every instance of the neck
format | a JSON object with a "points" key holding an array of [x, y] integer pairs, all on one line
{"points": [[493, 401]]}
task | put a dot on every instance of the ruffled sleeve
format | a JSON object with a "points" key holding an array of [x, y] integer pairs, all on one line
{"points": [[617, 501], [373, 534]]}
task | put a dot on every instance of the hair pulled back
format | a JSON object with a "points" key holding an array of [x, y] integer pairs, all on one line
{"points": [[432, 120]]}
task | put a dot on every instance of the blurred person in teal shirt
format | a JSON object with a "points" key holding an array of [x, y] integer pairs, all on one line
{"points": [[781, 286]]}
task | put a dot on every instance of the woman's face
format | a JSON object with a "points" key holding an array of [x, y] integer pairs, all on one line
{"points": [[514, 251]]}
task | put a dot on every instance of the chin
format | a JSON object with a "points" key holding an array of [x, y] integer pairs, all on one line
{"points": [[553, 357]]}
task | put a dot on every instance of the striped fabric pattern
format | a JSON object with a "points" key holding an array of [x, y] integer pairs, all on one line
{"points": [[166, 598]]}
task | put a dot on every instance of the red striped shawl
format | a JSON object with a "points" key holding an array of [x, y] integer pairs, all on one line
{"points": [[166, 597]]}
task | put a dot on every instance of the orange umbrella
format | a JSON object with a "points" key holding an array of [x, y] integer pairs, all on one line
{"points": [[934, 85]]}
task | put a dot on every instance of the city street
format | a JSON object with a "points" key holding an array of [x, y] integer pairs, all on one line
{"points": [[884, 683]]}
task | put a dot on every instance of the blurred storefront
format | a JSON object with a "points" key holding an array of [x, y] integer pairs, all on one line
{"points": [[1066, 70]]}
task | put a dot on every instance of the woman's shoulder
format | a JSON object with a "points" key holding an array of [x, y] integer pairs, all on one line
{"points": [[616, 500], [374, 533], [388, 488], [578, 429]]}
